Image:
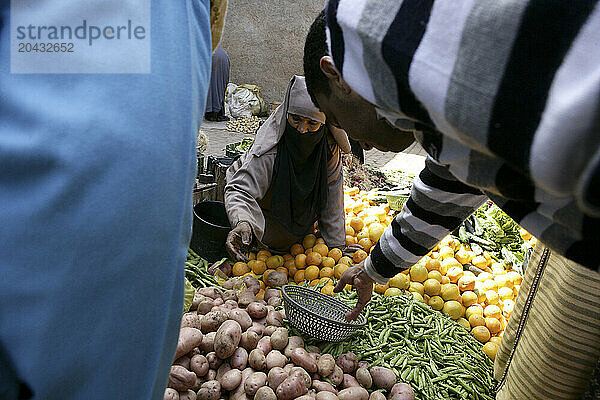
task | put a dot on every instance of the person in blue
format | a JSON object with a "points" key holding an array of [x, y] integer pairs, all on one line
{"points": [[96, 178]]}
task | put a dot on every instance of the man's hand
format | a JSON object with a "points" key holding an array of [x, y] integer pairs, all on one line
{"points": [[357, 277], [238, 241]]}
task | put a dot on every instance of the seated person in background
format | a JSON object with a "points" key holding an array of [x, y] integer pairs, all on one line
{"points": [[289, 179]]}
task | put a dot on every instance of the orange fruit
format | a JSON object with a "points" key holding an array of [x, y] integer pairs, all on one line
{"points": [[515, 277], [464, 323], [287, 257], [492, 311], [263, 255], [433, 265], [346, 260], [296, 249], [300, 261], [380, 288], [462, 256], [435, 275], [476, 320], [417, 287], [453, 309], [314, 258], [311, 272], [274, 262], [445, 280], [328, 262], [282, 269], [364, 234], [357, 224], [339, 269], [375, 231], [366, 244], [292, 271], [350, 240], [445, 252], [359, 255], [326, 272], [490, 349], [466, 282], [309, 240], [314, 282], [320, 241], [432, 287], [350, 231], [327, 289], [289, 264], [299, 276], [450, 291], [479, 262], [335, 253], [251, 256], [321, 248], [491, 297], [240, 268], [493, 325], [418, 273], [468, 298], [474, 309], [308, 250], [258, 267], [481, 333]]}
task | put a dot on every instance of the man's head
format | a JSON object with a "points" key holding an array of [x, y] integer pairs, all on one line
{"points": [[344, 107]]}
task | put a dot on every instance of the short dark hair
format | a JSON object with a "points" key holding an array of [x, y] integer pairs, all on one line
{"points": [[315, 47]]}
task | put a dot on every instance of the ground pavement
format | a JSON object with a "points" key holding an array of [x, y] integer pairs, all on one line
{"points": [[411, 160]]}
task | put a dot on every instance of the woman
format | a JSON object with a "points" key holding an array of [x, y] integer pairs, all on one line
{"points": [[289, 179]]}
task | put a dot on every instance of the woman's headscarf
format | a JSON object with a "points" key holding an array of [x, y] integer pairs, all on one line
{"points": [[299, 184]]}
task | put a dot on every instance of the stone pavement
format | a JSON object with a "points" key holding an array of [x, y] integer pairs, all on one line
{"points": [[410, 160]]}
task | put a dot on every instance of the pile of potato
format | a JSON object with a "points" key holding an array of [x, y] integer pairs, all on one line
{"points": [[233, 346]]}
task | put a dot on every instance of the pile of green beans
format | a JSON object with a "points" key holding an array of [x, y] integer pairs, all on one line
{"points": [[196, 271], [426, 349]]}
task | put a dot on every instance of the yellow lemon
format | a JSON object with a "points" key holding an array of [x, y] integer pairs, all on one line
{"points": [[455, 273], [453, 309], [432, 287], [433, 265], [418, 273], [464, 323], [481, 333], [450, 292], [417, 296], [375, 231], [339, 269], [451, 262], [357, 224], [476, 320], [400, 281], [436, 302], [468, 298], [492, 311], [493, 325], [491, 297], [416, 287], [463, 256], [474, 309], [445, 252], [309, 241], [490, 284], [435, 275], [490, 349], [392, 292], [506, 293]]}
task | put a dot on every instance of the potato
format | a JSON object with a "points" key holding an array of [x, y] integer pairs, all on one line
{"points": [[337, 377], [227, 338], [212, 292], [271, 293], [321, 386], [210, 390], [241, 317], [218, 302], [326, 396], [198, 297], [189, 395], [291, 387], [180, 378], [264, 344], [257, 310], [276, 376], [314, 356], [274, 301], [293, 342], [257, 327], [232, 303], [198, 383], [265, 393], [402, 391], [311, 349], [252, 284], [211, 375], [363, 364], [239, 392], [276, 279], [301, 358], [326, 365], [232, 282], [377, 396], [188, 339], [204, 306], [306, 397], [208, 342], [288, 367], [301, 372], [249, 340], [349, 381], [214, 362], [275, 359], [354, 393], [171, 394], [279, 339], [239, 359], [347, 362], [191, 320], [255, 382], [364, 378], [231, 379], [223, 369], [213, 320], [270, 329], [274, 318], [383, 378], [257, 359], [184, 361], [245, 298]]}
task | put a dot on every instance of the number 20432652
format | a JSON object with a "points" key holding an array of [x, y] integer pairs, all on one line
{"points": [[46, 47]]}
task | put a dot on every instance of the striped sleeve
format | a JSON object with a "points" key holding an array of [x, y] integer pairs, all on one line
{"points": [[438, 204]]}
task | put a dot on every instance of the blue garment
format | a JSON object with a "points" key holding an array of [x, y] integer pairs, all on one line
{"points": [[96, 175]]}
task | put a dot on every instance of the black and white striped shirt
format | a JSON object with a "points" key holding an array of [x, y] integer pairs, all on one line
{"points": [[505, 98]]}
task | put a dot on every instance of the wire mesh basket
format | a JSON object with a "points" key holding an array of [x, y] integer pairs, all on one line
{"points": [[318, 315]]}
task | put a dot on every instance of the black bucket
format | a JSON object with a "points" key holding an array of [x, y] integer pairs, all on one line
{"points": [[210, 230]]}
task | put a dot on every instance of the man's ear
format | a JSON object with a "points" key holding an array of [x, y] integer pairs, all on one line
{"points": [[334, 76]]}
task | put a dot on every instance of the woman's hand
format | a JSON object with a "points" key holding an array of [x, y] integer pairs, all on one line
{"points": [[238, 241], [358, 278]]}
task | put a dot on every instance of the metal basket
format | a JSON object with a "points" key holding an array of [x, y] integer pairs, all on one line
{"points": [[318, 315]]}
